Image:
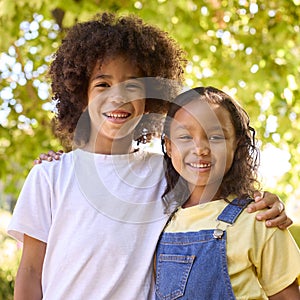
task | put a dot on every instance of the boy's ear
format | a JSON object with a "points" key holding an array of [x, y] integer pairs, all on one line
{"points": [[168, 146]]}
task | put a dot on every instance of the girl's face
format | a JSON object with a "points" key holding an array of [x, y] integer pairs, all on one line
{"points": [[116, 98], [202, 144]]}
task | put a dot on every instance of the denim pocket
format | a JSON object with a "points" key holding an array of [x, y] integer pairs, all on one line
{"points": [[172, 273]]}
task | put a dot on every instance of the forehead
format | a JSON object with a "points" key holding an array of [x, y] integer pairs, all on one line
{"points": [[206, 115], [120, 64]]}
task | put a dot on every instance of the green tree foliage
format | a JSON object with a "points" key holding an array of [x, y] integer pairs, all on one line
{"points": [[249, 48]]}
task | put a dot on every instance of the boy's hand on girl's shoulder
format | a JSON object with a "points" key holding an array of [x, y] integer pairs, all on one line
{"points": [[48, 156], [275, 214]]}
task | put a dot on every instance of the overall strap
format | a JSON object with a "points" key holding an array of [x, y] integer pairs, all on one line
{"points": [[231, 212]]}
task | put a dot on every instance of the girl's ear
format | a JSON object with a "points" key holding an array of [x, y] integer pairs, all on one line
{"points": [[168, 146]]}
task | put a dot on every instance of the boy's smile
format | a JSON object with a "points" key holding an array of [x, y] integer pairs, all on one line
{"points": [[118, 116], [116, 101]]}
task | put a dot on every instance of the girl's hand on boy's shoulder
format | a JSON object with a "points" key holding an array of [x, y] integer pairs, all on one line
{"points": [[275, 215], [48, 156]]}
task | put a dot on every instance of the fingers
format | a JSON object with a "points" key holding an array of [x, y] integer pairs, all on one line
{"points": [[53, 155], [286, 224], [256, 206], [275, 209], [262, 200], [37, 161], [258, 195], [282, 222], [49, 156], [275, 214], [44, 156], [268, 198]]}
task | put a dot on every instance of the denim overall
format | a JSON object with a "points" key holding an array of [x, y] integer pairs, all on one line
{"points": [[193, 265]]}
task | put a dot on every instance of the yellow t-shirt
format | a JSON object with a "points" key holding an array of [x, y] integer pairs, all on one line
{"points": [[261, 261]]}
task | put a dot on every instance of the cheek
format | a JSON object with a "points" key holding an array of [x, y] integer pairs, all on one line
{"points": [[222, 157], [135, 96], [95, 101], [226, 159], [139, 106], [229, 161], [177, 157]]}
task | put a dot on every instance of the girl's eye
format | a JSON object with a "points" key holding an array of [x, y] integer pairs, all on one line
{"points": [[216, 137], [185, 137]]}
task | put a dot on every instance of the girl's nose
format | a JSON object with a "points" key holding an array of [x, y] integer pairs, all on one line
{"points": [[201, 148]]}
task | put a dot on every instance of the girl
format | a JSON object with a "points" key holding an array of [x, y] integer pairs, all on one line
{"points": [[210, 248]]}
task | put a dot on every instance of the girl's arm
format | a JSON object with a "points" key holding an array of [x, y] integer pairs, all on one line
{"points": [[48, 156], [289, 293], [28, 280]]}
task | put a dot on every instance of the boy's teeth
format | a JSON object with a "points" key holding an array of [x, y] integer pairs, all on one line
{"points": [[115, 116]]}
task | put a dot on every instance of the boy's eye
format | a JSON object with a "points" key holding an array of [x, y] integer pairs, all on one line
{"points": [[134, 86], [102, 85]]}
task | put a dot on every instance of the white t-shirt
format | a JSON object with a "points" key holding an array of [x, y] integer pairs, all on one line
{"points": [[101, 217]]}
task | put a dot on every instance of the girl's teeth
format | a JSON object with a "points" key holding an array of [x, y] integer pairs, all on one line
{"points": [[200, 165]]}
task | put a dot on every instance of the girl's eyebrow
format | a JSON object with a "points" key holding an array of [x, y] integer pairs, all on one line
{"points": [[219, 128], [180, 126], [213, 128]]}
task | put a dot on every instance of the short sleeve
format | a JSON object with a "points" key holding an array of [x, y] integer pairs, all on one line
{"points": [[279, 268], [32, 213]]}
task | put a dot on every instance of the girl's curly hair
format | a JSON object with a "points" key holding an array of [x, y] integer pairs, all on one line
{"points": [[86, 44], [241, 179]]}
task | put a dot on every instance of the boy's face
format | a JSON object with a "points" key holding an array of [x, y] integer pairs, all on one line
{"points": [[202, 144], [116, 98]]}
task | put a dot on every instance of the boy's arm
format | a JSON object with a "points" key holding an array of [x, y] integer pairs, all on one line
{"points": [[28, 280], [289, 293], [275, 215]]}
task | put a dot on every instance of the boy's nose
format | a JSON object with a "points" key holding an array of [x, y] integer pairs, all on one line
{"points": [[117, 94], [118, 99]]}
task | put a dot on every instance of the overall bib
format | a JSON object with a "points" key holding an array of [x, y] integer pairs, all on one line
{"points": [[193, 265]]}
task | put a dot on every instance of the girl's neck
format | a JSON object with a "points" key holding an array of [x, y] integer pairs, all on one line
{"points": [[202, 194]]}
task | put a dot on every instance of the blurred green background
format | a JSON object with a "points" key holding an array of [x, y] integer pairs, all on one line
{"points": [[248, 48]]}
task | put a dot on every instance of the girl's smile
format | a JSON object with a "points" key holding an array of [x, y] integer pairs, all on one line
{"points": [[201, 145], [201, 166]]}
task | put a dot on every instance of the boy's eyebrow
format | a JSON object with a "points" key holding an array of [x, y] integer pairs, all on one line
{"points": [[107, 76]]}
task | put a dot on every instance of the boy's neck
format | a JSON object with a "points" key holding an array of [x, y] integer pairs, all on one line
{"points": [[110, 146]]}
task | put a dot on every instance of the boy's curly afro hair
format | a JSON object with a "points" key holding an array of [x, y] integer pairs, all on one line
{"points": [[86, 44]]}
